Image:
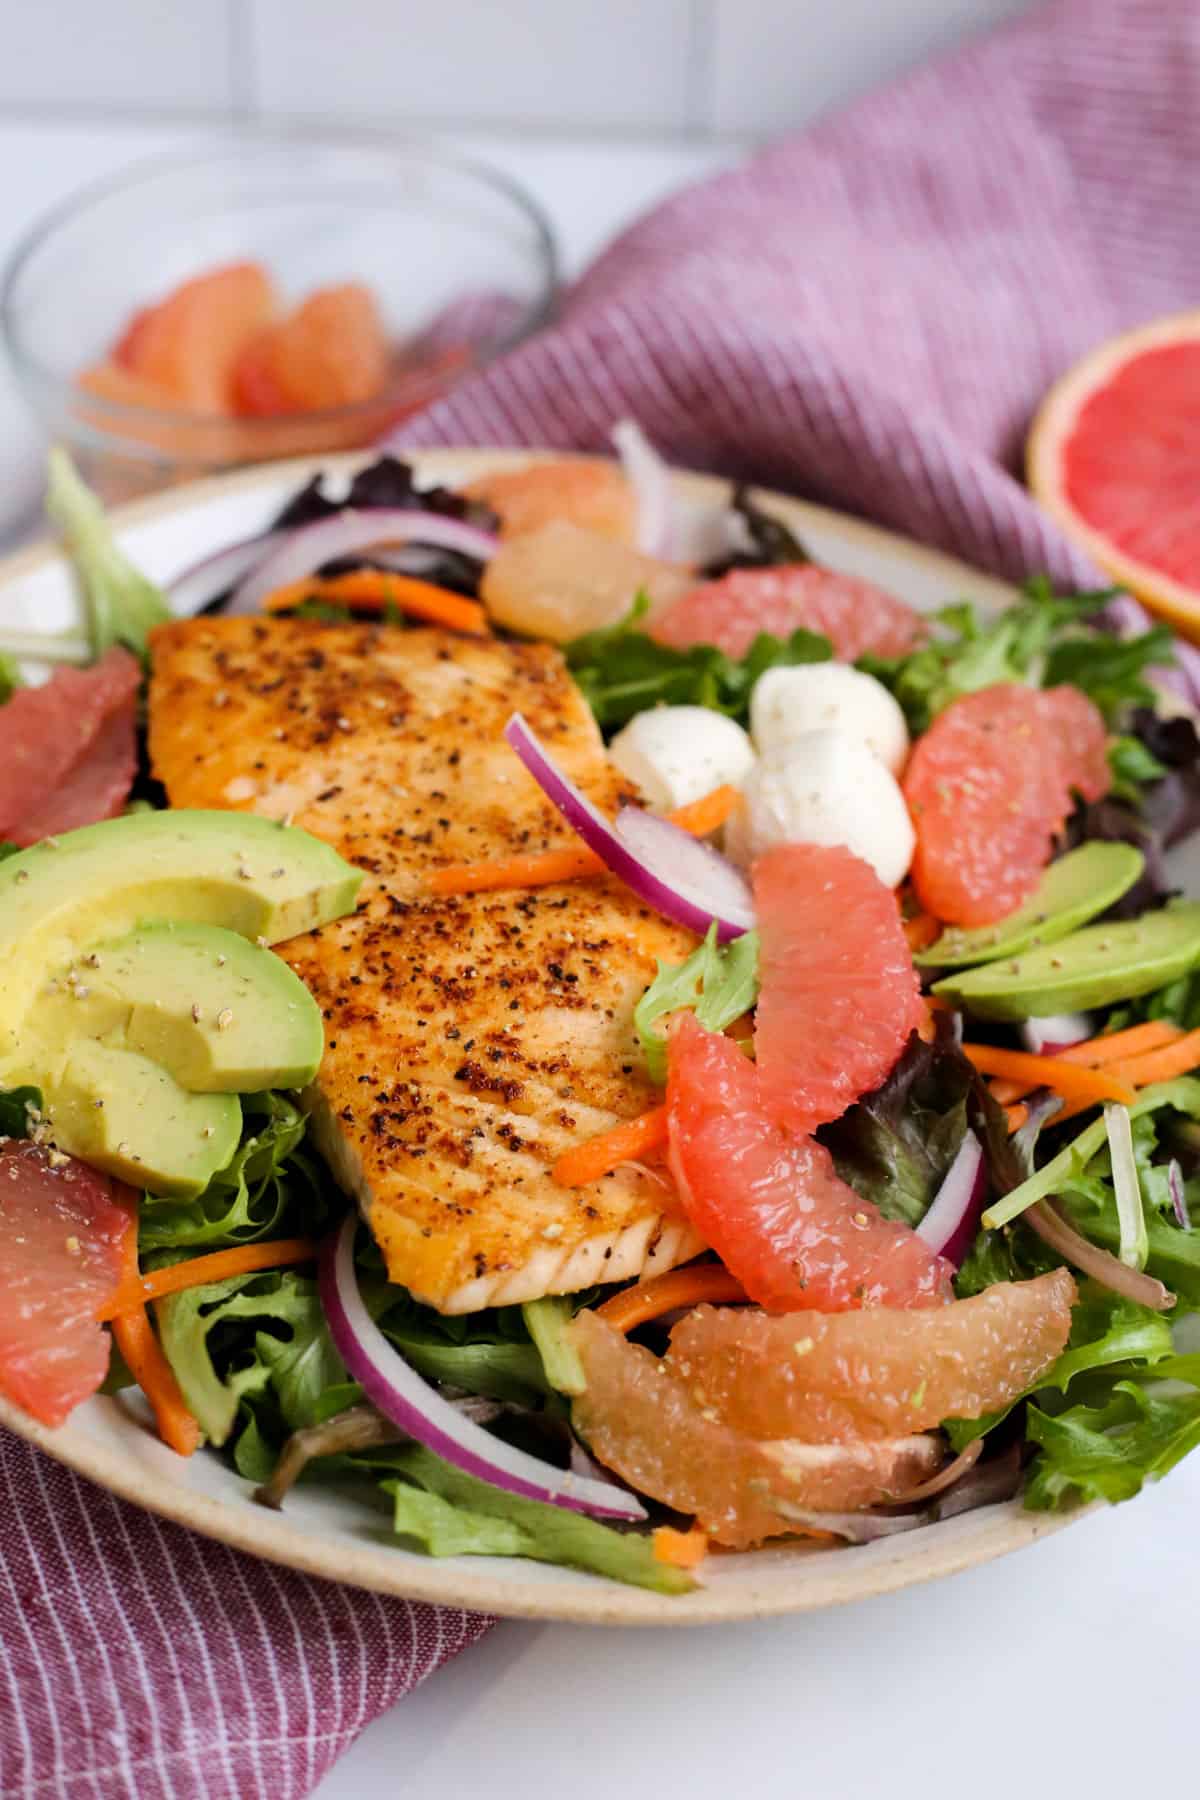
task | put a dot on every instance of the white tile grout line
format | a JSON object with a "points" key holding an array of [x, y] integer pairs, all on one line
{"points": [[243, 61], [700, 69]]}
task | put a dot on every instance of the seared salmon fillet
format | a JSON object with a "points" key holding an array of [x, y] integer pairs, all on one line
{"points": [[469, 1041]]}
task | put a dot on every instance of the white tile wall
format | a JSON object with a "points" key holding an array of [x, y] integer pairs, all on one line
{"points": [[135, 55], [668, 67]]}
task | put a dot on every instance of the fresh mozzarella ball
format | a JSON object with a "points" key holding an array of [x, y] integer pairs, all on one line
{"points": [[828, 696], [679, 753], [825, 788]]}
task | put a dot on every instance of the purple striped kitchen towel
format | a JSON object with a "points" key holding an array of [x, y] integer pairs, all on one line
{"points": [[867, 314]]}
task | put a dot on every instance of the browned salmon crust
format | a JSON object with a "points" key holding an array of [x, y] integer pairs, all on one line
{"points": [[469, 1041]]}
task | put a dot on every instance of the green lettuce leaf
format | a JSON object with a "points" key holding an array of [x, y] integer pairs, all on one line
{"points": [[457, 1515], [269, 1183], [1113, 1441], [1044, 639], [622, 671], [717, 984], [16, 1105], [123, 605]]}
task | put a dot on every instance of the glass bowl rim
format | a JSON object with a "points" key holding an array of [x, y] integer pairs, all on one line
{"points": [[234, 148]]}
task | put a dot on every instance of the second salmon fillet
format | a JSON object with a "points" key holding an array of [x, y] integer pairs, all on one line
{"points": [[469, 1041]]}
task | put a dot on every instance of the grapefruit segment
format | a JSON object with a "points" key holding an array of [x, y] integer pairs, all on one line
{"points": [[842, 1377], [839, 995], [1112, 454], [771, 1204], [187, 344], [989, 786], [330, 351], [645, 1423], [63, 1229], [594, 495], [562, 580], [856, 616]]}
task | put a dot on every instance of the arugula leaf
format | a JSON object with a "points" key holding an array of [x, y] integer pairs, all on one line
{"points": [[16, 1104], [529, 1527], [269, 1178], [1132, 766], [1107, 1446], [1045, 638], [1107, 1331], [621, 671], [717, 984], [123, 605]]}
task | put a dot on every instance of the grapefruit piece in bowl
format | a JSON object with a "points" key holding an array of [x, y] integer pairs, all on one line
{"points": [[1113, 455]]}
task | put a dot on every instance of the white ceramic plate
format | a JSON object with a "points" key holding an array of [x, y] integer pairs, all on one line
{"points": [[338, 1537]]}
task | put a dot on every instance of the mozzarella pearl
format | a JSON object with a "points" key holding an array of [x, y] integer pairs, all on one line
{"points": [[828, 696], [674, 754], [825, 788]]}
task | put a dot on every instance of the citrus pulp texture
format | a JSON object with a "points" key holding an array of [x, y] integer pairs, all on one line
{"points": [[854, 615]]}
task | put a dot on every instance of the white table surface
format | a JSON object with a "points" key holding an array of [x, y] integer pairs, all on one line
{"points": [[1067, 1669]]}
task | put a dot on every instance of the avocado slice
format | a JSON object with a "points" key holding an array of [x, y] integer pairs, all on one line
{"points": [[1073, 890], [122, 1113], [220, 1014], [1095, 967], [248, 874]]}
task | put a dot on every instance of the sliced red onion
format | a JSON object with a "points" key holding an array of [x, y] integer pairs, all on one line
{"points": [[946, 1476], [851, 1527], [396, 1390], [1040, 1108], [686, 881], [1054, 1032], [950, 1224], [1134, 1245], [1178, 1193], [348, 533], [650, 480], [202, 581]]}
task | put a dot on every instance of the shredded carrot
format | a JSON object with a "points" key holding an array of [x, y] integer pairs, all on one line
{"points": [[921, 931], [1005, 1093], [147, 1363], [682, 1549], [741, 1030], [1067, 1079], [1099, 1053], [198, 1271], [375, 589], [544, 868], [626, 1142], [1016, 1116], [1163, 1064], [633, 1306]]}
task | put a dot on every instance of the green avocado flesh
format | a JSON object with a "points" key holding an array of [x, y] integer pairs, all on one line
{"points": [[1073, 890], [220, 1014], [124, 1114], [115, 937], [1095, 967]]}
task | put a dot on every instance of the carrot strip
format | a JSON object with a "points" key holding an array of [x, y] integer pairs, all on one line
{"points": [[681, 1549], [544, 868], [1005, 1093], [146, 1361], [1016, 1116], [921, 931], [633, 1306], [1163, 1064], [1119, 1046], [626, 1142], [376, 589], [1068, 1079], [198, 1271]]}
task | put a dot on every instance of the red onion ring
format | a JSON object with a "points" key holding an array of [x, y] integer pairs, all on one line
{"points": [[349, 532], [685, 880], [952, 1220], [396, 1390], [202, 581], [650, 479]]}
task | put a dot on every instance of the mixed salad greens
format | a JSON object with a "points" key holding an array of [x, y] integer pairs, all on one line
{"points": [[253, 1352]]}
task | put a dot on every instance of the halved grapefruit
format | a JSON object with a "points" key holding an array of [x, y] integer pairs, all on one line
{"points": [[1114, 455]]}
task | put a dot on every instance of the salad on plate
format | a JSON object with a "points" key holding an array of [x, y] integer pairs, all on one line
{"points": [[543, 1006]]}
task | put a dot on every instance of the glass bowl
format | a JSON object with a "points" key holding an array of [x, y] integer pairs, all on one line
{"points": [[461, 262]]}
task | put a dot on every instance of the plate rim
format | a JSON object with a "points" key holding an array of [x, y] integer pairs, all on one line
{"points": [[817, 1578]]}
